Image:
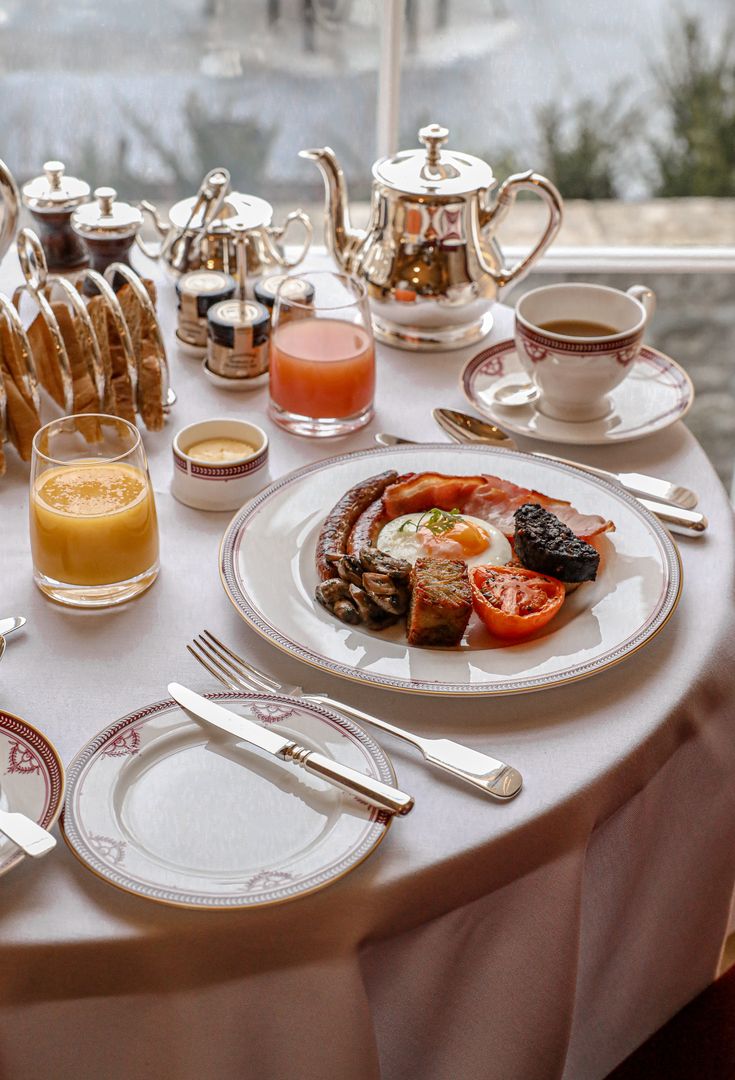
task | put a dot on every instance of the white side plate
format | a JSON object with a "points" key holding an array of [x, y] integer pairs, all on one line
{"points": [[162, 806]]}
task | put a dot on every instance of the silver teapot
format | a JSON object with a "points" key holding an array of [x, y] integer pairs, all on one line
{"points": [[201, 231], [429, 255], [9, 207]]}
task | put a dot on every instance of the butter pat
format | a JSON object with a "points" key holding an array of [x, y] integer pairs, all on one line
{"points": [[220, 451]]}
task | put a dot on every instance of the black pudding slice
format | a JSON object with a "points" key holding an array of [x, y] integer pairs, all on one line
{"points": [[547, 545]]}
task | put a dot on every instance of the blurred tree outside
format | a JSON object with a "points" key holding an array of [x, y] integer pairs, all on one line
{"points": [[581, 146], [697, 156]]}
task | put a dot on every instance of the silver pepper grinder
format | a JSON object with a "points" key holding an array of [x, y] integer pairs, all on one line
{"points": [[107, 229]]}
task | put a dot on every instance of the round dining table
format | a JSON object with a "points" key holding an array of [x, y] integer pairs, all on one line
{"points": [[537, 939]]}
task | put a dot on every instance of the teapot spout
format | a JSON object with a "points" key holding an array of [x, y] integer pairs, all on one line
{"points": [[341, 239]]}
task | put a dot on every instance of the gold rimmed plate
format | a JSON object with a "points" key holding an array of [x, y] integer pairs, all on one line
{"points": [[268, 572]]}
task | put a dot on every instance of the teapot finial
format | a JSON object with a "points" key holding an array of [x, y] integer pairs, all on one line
{"points": [[433, 136]]}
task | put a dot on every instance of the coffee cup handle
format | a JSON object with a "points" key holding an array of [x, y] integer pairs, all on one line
{"points": [[646, 297]]}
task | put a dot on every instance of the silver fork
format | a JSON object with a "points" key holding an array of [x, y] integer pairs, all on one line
{"points": [[482, 771]]}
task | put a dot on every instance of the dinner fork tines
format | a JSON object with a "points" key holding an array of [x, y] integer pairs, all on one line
{"points": [[492, 776]]}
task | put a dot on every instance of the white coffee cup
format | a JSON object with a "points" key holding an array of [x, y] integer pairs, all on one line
{"points": [[575, 374]]}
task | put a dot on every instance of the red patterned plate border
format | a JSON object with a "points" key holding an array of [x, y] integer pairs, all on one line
{"points": [[31, 753]]}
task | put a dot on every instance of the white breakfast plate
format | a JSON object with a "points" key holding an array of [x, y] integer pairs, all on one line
{"points": [[162, 806], [267, 569], [31, 779], [655, 394]]}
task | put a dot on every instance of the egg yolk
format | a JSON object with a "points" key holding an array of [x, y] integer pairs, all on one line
{"points": [[462, 540]]}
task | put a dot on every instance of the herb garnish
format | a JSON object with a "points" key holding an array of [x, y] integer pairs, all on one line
{"points": [[436, 521]]}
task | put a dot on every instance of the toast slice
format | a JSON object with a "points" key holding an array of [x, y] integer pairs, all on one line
{"points": [[3, 423], [150, 387], [97, 309], [85, 393], [150, 363], [23, 419], [46, 359]]}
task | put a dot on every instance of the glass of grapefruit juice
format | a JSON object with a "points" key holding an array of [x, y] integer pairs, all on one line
{"points": [[94, 534], [322, 356]]}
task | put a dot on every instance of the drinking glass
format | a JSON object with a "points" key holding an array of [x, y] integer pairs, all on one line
{"points": [[94, 534], [322, 358]]}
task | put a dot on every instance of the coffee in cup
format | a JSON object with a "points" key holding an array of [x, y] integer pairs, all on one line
{"points": [[578, 342]]}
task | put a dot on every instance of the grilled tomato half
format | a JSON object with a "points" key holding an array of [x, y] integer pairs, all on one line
{"points": [[514, 602]]}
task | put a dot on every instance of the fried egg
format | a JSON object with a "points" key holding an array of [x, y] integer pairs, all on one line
{"points": [[475, 541]]}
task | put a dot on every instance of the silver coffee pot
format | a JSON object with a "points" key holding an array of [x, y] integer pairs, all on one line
{"points": [[429, 255]]}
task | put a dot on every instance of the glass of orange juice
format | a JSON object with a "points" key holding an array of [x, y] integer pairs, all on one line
{"points": [[322, 357], [94, 534]]}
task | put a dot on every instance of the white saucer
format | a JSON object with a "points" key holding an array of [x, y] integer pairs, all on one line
{"points": [[237, 385], [656, 393]]}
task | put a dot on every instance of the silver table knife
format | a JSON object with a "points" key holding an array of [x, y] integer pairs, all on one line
{"points": [[26, 833], [357, 783]]}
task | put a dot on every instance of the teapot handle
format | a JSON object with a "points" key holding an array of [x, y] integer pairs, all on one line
{"points": [[274, 234], [151, 251], [9, 207], [506, 197]]}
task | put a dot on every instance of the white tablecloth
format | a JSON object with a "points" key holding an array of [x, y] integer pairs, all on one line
{"points": [[540, 939]]}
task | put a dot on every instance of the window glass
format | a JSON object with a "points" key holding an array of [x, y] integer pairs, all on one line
{"points": [[147, 97], [630, 101]]}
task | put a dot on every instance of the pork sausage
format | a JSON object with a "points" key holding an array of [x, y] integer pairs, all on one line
{"points": [[340, 520]]}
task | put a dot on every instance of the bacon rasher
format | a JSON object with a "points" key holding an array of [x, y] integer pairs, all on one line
{"points": [[489, 498]]}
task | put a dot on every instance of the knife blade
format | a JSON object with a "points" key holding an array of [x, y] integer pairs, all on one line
{"points": [[342, 776]]}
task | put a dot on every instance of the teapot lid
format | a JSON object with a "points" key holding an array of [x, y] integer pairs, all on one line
{"points": [[106, 218], [54, 191], [241, 211], [433, 171]]}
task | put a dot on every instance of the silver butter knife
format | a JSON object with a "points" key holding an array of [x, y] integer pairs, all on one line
{"points": [[678, 520], [357, 783], [27, 834]]}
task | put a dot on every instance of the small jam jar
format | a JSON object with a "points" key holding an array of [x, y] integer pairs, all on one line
{"points": [[296, 289], [108, 229], [238, 335], [197, 291], [52, 199]]}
